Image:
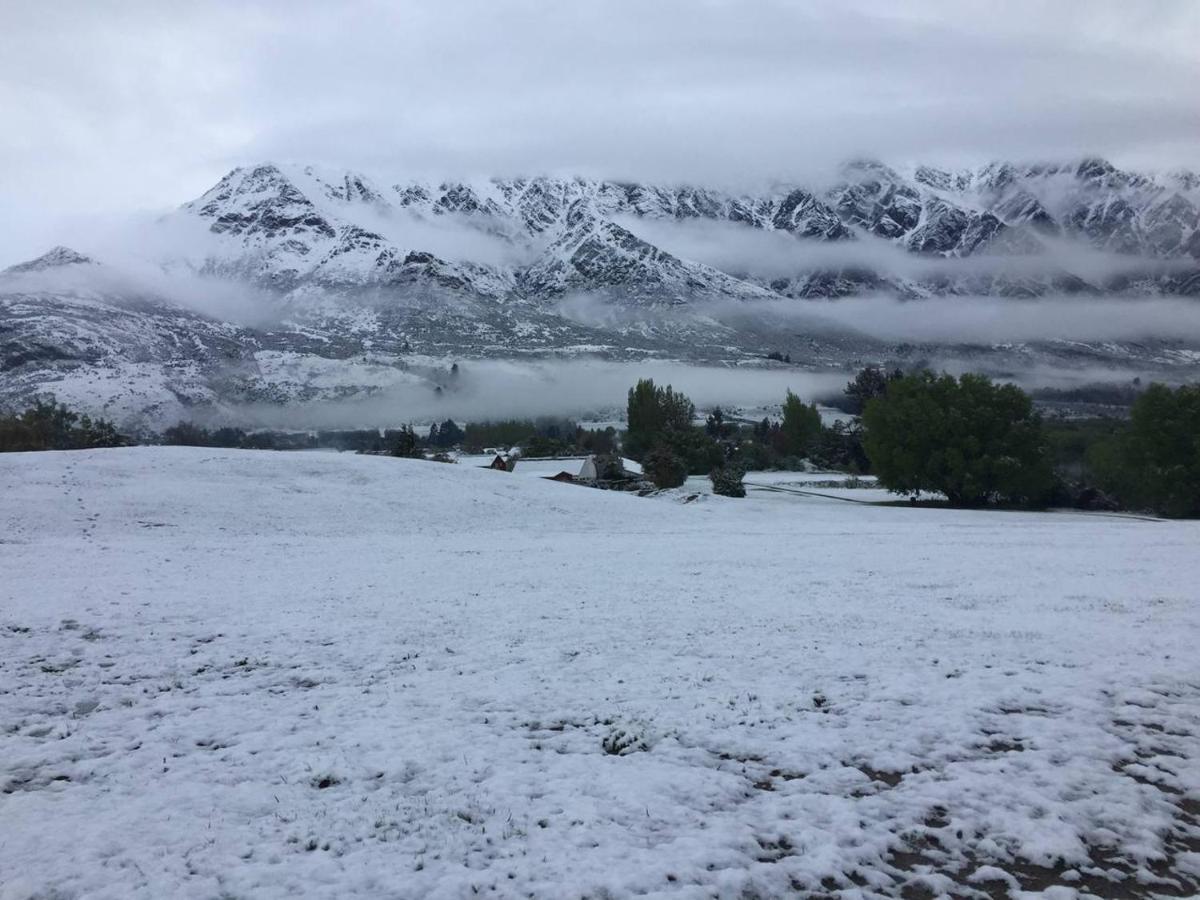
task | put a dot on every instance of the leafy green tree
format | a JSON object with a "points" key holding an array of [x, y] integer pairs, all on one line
{"points": [[1155, 463], [801, 426], [664, 467], [972, 440]]}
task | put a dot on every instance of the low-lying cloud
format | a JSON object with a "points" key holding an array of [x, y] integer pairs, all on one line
{"points": [[588, 390], [743, 250], [990, 320]]}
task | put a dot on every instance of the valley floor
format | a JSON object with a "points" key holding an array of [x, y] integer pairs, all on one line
{"points": [[253, 674]]}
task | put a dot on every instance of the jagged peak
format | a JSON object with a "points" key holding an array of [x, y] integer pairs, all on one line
{"points": [[54, 258], [257, 178]]}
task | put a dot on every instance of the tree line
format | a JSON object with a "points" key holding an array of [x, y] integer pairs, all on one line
{"points": [[972, 440]]}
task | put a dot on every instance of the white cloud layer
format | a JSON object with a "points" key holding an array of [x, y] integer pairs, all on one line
{"points": [[134, 104]]}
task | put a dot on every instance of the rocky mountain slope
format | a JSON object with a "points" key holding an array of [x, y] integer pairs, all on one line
{"points": [[371, 276], [536, 239]]}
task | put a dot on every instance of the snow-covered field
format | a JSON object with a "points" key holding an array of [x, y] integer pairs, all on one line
{"points": [[251, 674]]}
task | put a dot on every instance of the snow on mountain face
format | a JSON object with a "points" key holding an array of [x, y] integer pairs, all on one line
{"points": [[53, 259], [288, 227], [358, 267]]}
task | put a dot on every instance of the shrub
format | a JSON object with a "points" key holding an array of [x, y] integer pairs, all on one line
{"points": [[972, 440], [727, 481], [664, 467]]}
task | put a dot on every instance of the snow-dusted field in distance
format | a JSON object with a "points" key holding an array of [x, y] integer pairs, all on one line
{"points": [[254, 674]]}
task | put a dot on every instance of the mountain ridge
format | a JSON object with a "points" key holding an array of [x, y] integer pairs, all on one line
{"points": [[353, 267], [292, 224]]}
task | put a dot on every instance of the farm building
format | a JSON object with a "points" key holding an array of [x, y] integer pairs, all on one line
{"points": [[558, 468], [561, 468]]}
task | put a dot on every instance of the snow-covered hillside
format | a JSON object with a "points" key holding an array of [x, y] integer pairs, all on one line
{"points": [[239, 674], [538, 238], [335, 265]]}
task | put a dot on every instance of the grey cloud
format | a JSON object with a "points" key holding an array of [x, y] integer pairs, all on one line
{"points": [[591, 390], [996, 320], [740, 249], [138, 104]]}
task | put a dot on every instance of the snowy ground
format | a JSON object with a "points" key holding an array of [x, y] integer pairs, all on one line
{"points": [[241, 674]]}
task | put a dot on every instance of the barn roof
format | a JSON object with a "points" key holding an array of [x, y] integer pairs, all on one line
{"points": [[549, 467]]}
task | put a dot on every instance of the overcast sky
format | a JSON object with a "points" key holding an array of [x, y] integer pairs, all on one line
{"points": [[117, 107]]}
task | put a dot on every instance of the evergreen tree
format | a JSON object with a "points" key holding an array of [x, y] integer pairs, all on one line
{"points": [[801, 426], [406, 444], [651, 413]]}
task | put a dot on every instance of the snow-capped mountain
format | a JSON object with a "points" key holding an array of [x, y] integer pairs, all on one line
{"points": [[537, 240], [353, 267]]}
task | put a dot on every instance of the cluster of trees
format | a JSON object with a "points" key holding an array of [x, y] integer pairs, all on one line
{"points": [[975, 441], [535, 437], [982, 443], [445, 435], [546, 436], [49, 425], [663, 434], [968, 438], [189, 434], [661, 419]]}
